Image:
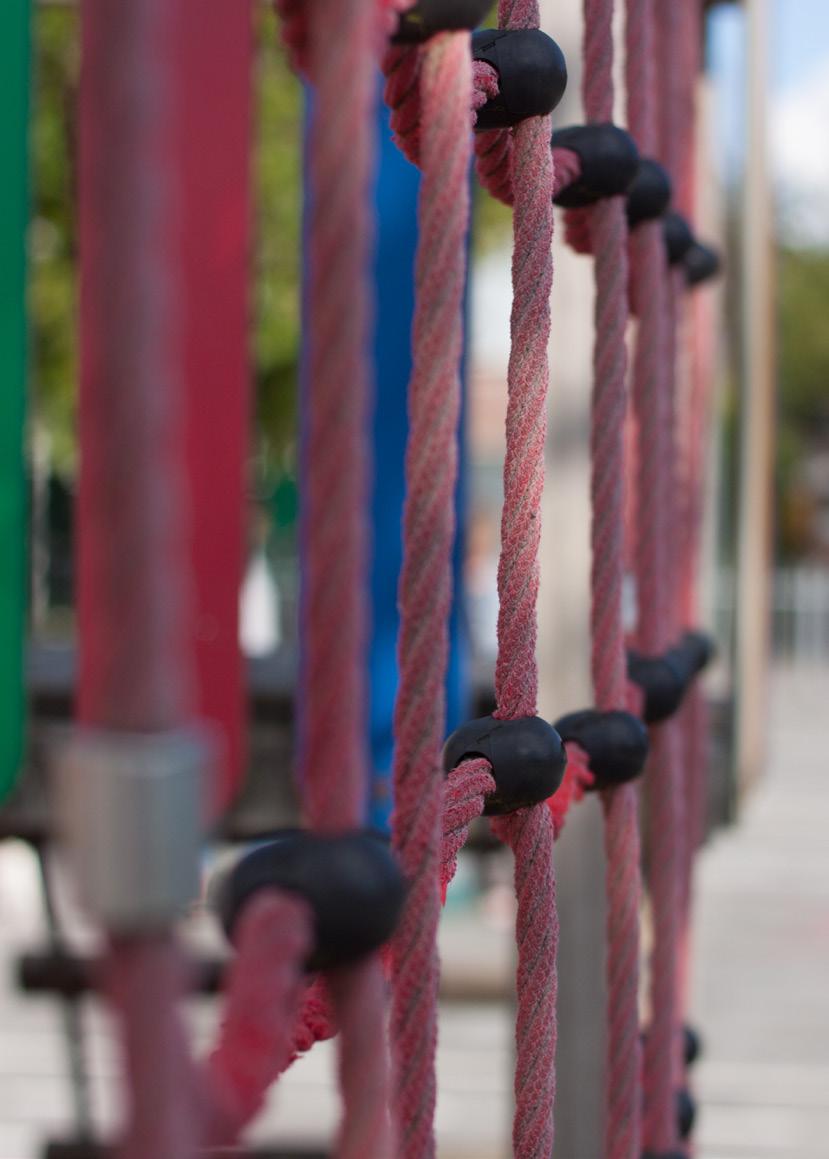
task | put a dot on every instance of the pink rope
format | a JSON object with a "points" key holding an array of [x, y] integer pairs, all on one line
{"points": [[529, 833], [265, 986], [607, 229], [402, 66], [426, 579], [651, 389], [332, 693], [133, 599], [465, 790], [146, 979]]}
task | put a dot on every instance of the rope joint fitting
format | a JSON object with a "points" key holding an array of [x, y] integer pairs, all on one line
{"points": [[351, 882], [702, 264], [665, 679], [130, 808], [609, 163], [650, 194], [679, 237], [616, 743], [527, 756], [532, 75], [427, 18]]}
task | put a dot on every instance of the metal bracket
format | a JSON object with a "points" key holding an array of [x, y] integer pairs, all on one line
{"points": [[130, 809]]}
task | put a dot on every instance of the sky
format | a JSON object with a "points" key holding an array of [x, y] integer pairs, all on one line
{"points": [[799, 109]]}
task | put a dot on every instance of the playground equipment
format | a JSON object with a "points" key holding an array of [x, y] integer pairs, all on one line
{"points": [[324, 919]]}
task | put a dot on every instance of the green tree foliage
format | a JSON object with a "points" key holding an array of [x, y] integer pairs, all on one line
{"points": [[53, 231], [53, 237], [803, 298]]}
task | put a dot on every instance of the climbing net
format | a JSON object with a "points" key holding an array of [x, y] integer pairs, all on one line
{"points": [[328, 921]]}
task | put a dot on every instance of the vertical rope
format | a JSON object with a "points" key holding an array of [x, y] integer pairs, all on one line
{"points": [[528, 832], [426, 579], [608, 232], [343, 42], [654, 484], [134, 670]]}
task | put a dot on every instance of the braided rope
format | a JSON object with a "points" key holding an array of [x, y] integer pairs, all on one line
{"points": [[528, 832], [655, 485], [606, 228], [445, 77], [265, 987], [332, 693]]}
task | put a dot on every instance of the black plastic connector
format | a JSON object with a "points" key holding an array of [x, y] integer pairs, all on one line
{"points": [[532, 75], [609, 163], [427, 18], [351, 882], [686, 1113], [616, 743], [691, 1045], [650, 194], [679, 237], [666, 679], [527, 757], [701, 263]]}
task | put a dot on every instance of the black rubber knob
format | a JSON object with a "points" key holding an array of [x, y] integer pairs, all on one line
{"points": [[691, 1045], [428, 17], [686, 1113], [661, 680], [532, 74], [351, 881], [701, 263], [678, 237], [527, 757], [650, 194], [665, 679], [616, 743], [609, 163]]}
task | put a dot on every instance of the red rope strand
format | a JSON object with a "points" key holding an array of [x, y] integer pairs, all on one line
{"points": [[444, 147]]}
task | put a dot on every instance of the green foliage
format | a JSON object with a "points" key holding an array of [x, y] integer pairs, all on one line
{"points": [[278, 183], [804, 339], [803, 298], [53, 232], [53, 237]]}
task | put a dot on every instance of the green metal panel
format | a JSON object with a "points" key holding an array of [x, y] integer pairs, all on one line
{"points": [[14, 205]]}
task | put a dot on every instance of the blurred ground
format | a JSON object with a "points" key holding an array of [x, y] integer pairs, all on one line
{"points": [[762, 947], [761, 990]]}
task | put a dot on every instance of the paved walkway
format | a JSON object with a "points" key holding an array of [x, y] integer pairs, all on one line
{"points": [[762, 989], [762, 948]]}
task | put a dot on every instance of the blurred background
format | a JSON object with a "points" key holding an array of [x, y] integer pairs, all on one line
{"points": [[760, 957]]}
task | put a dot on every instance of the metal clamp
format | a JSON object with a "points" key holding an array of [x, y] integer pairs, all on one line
{"points": [[130, 809]]}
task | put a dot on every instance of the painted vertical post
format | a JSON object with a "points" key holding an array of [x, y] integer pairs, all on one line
{"points": [[214, 50], [758, 421], [14, 209]]}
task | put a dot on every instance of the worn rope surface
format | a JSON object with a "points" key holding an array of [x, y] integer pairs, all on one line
{"points": [[649, 285], [528, 832], [265, 988], [332, 692], [444, 149], [607, 227]]}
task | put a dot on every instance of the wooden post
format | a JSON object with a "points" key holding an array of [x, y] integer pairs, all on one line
{"points": [[757, 415]]}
